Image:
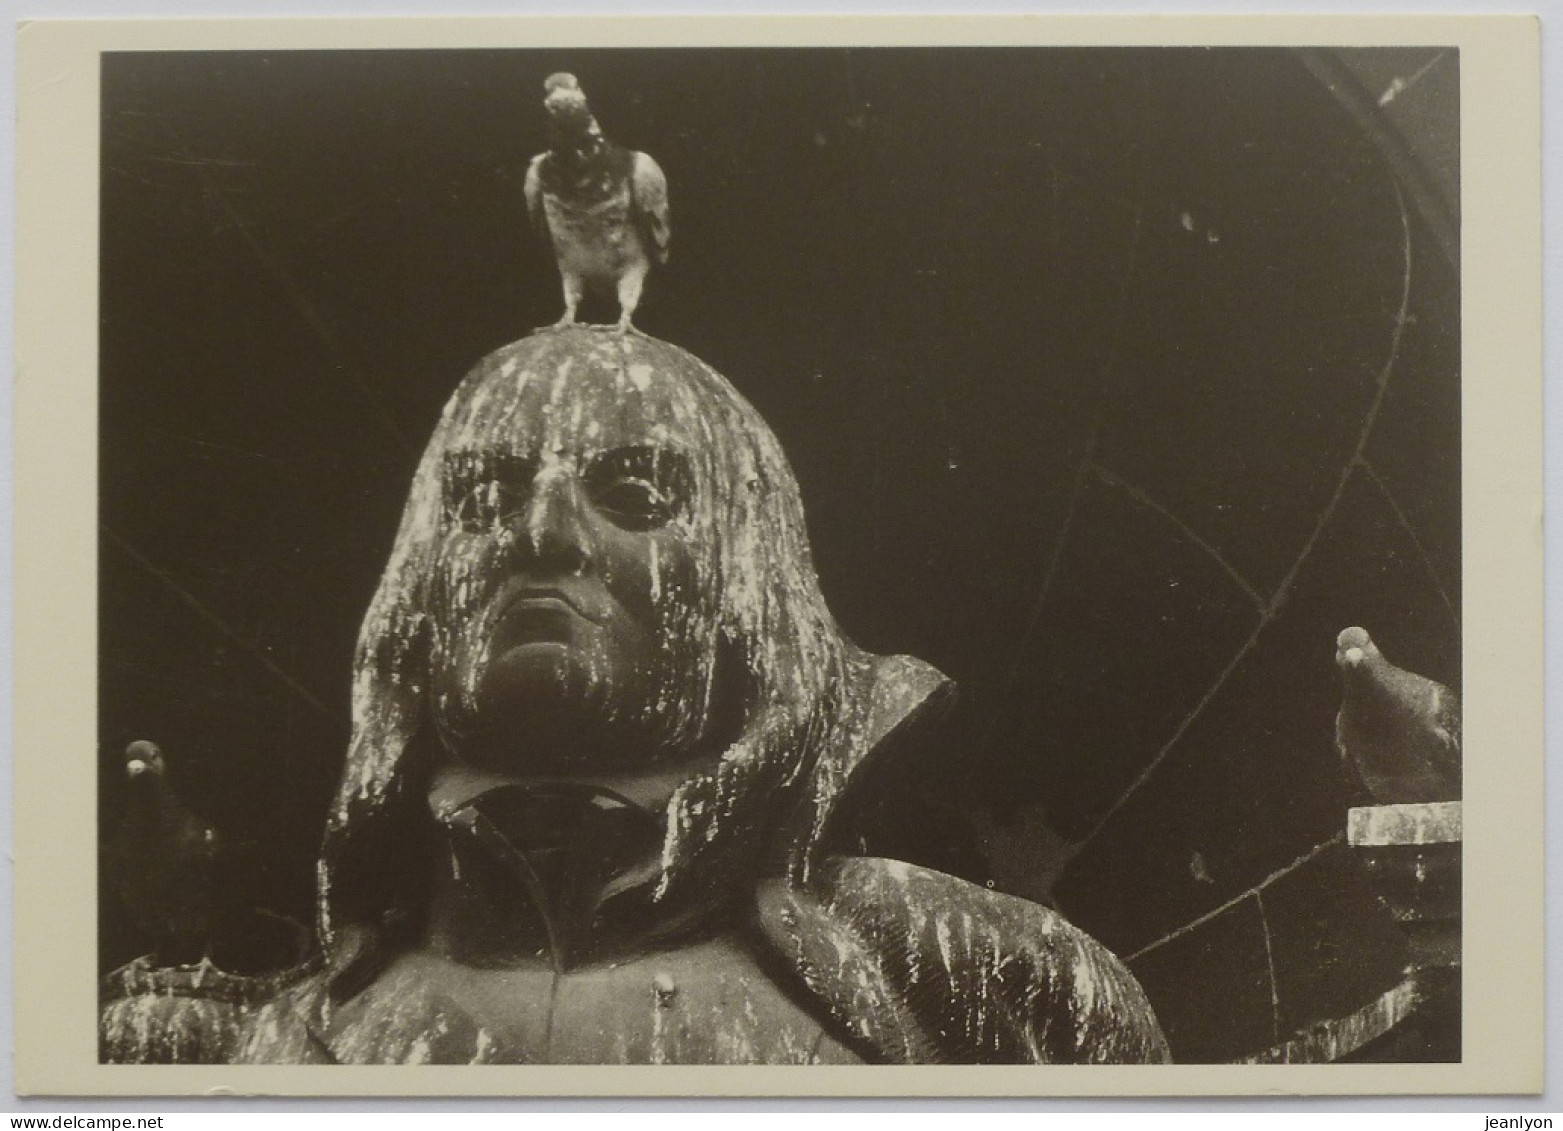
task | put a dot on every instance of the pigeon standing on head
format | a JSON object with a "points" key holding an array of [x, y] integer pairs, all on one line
{"points": [[1400, 730], [603, 209], [164, 860]]}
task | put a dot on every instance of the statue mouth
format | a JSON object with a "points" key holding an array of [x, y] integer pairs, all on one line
{"points": [[536, 622], [545, 615]]}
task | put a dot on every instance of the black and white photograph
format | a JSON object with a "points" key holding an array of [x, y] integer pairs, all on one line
{"points": [[780, 555]]}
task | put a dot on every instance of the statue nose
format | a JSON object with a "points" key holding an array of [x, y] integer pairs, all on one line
{"points": [[553, 532]]}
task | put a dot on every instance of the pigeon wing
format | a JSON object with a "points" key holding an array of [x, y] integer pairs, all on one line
{"points": [[534, 197], [1446, 728], [649, 190]]}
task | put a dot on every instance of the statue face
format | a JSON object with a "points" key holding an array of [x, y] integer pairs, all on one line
{"points": [[568, 630]]}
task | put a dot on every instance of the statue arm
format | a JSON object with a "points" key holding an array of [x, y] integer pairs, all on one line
{"points": [[177, 1015], [959, 974], [182, 1014]]}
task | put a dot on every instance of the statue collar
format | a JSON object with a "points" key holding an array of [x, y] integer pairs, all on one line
{"points": [[558, 873], [568, 873]]}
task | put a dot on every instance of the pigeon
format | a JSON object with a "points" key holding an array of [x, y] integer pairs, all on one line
{"points": [[1399, 730], [164, 861], [602, 208]]}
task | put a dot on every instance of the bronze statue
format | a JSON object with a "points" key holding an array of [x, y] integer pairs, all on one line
{"points": [[602, 724]]}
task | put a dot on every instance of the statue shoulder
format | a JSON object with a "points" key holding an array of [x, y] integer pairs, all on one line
{"points": [[196, 1014], [924, 966]]}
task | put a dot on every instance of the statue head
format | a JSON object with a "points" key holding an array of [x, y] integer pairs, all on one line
{"points": [[603, 569], [571, 605]]}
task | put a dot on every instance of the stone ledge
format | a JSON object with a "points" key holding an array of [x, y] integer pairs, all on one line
{"points": [[1436, 822]]}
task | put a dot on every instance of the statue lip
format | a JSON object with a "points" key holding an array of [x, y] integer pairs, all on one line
{"points": [[550, 600]]}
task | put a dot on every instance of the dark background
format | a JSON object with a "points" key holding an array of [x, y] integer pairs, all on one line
{"points": [[1074, 352]]}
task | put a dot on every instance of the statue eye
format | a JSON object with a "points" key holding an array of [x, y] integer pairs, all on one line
{"points": [[634, 503], [483, 491], [639, 488], [479, 509]]}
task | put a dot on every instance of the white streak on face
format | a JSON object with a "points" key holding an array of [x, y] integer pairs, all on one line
{"points": [[577, 412], [751, 581], [551, 467]]}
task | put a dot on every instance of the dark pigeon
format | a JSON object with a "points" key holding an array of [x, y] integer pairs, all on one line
{"points": [[1399, 730], [164, 862]]}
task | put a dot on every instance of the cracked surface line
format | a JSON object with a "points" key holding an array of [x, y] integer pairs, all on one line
{"points": [[1405, 523], [1275, 989], [1144, 498], [1179, 932], [1077, 488], [207, 614], [1284, 588]]}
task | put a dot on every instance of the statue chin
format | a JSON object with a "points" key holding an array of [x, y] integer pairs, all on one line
{"points": [[546, 709]]}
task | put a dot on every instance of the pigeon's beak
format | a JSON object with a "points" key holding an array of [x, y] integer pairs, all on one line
{"points": [[135, 767], [1351, 648]]}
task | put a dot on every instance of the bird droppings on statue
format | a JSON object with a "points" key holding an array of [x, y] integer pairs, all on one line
{"points": [[1399, 730], [602, 209]]}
